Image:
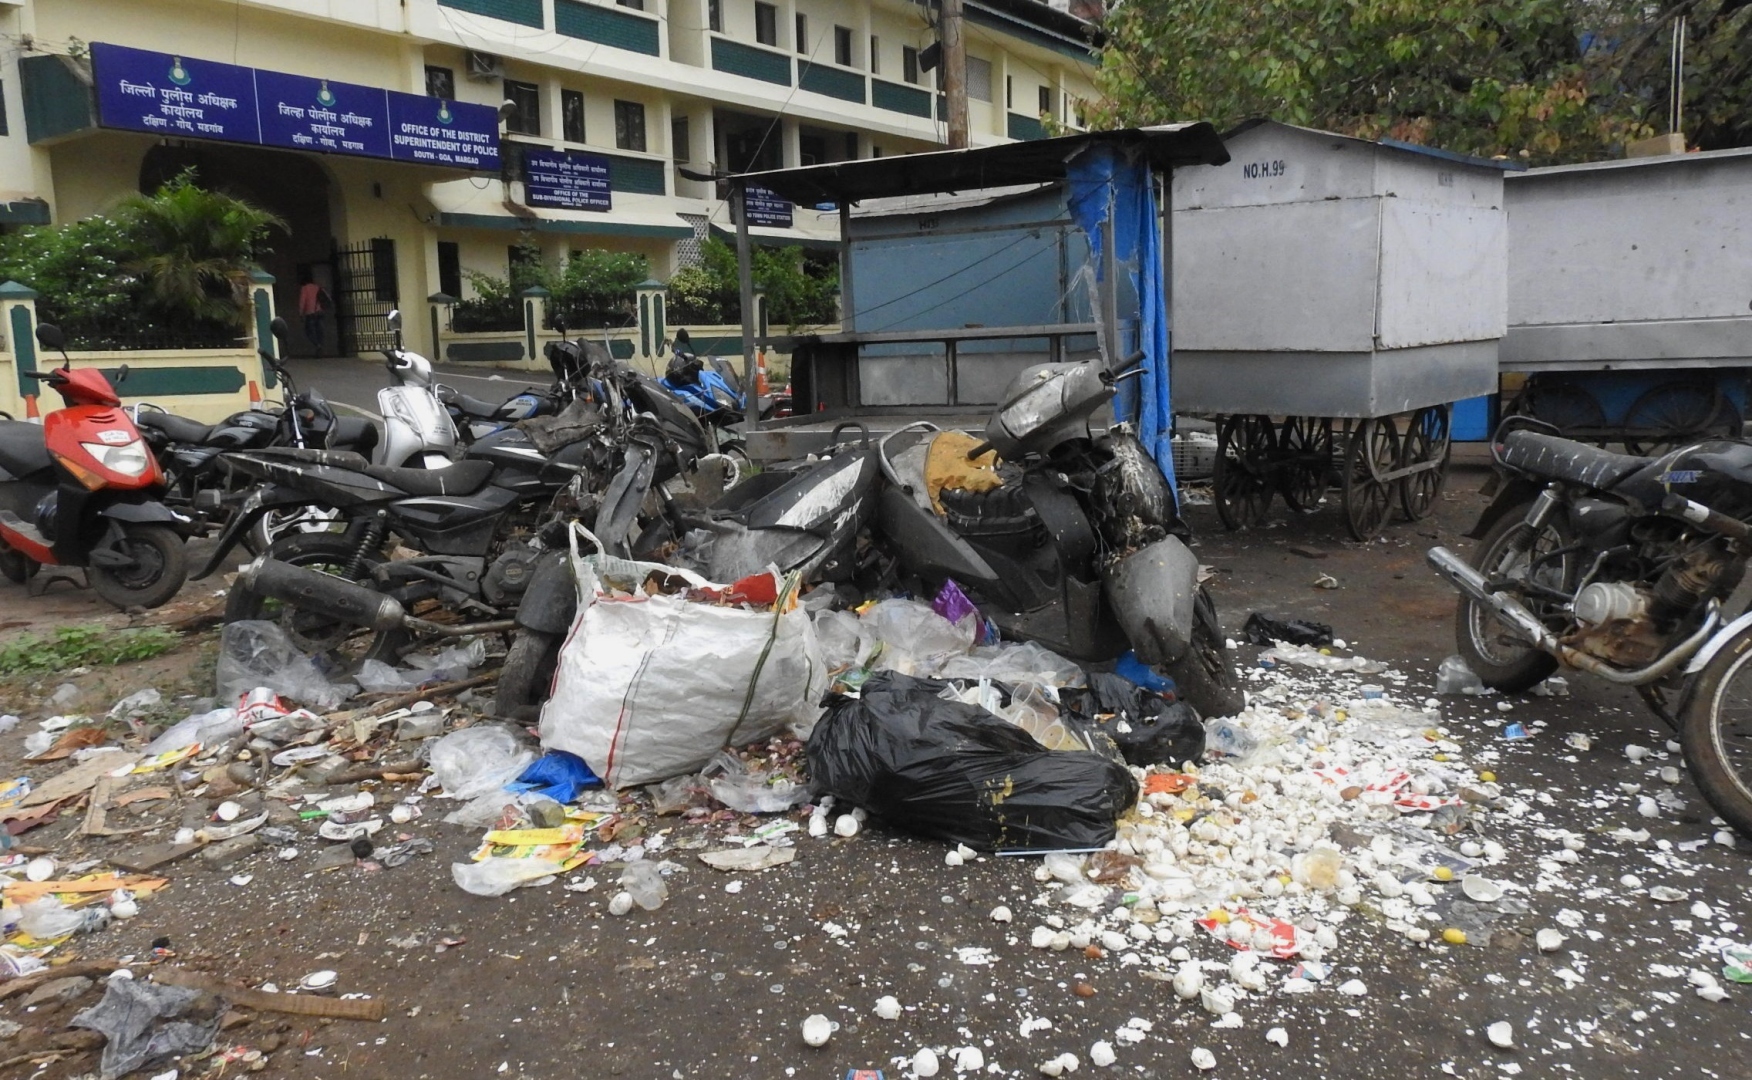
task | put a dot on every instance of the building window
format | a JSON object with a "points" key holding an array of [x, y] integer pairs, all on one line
{"points": [[802, 41], [4, 130], [572, 115], [636, 5], [979, 79], [678, 140], [440, 83], [519, 260], [909, 64], [851, 146], [1046, 101], [525, 99], [450, 268], [1009, 91], [629, 125], [766, 24], [875, 55], [715, 15], [842, 46]]}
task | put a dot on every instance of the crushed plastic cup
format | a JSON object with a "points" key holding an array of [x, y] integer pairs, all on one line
{"points": [[1515, 732], [1453, 676]]}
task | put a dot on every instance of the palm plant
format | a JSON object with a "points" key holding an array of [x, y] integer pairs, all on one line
{"points": [[195, 249]]}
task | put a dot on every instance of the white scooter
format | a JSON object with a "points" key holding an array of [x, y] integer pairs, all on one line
{"points": [[417, 430]]}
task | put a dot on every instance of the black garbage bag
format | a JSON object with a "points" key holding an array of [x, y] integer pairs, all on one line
{"points": [[1262, 629], [955, 772], [1148, 728]]}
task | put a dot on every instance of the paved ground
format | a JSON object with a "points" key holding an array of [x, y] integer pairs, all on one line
{"points": [[716, 983], [355, 382]]}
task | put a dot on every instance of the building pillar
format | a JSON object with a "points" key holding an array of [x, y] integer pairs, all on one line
{"points": [[649, 297], [535, 304], [261, 299], [18, 324]]}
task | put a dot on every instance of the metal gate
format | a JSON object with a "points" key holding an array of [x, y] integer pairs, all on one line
{"points": [[365, 294]]}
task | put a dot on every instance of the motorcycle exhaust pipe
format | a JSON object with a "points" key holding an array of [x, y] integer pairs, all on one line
{"points": [[1462, 576], [325, 594]]}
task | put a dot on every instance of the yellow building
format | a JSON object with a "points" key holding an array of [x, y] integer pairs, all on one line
{"points": [[365, 124]]}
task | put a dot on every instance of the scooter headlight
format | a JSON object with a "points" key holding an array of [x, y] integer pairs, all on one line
{"points": [[129, 459], [1031, 409]]}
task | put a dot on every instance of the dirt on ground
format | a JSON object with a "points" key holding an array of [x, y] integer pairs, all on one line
{"points": [[544, 982]]}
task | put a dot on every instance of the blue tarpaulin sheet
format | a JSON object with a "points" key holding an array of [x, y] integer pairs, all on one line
{"points": [[1105, 186]]}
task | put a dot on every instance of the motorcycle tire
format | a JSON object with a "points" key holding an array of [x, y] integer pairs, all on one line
{"points": [[1705, 737], [277, 523], [1205, 676], [327, 552], [16, 568], [161, 567], [528, 674], [1501, 665]]}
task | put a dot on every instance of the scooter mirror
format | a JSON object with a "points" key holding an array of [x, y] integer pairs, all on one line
{"points": [[49, 336], [121, 375], [280, 330], [560, 325], [394, 319]]}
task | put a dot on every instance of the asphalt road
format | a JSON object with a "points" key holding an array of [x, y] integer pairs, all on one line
{"points": [[355, 382]]}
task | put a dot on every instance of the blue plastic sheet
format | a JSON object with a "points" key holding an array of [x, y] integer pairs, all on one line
{"points": [[1104, 186], [559, 775]]}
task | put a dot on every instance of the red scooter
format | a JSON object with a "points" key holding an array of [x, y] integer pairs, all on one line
{"points": [[83, 489]]}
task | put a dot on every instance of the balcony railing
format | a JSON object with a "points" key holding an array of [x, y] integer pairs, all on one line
{"points": [[833, 81]]}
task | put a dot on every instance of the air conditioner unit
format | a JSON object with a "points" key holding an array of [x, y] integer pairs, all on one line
{"points": [[485, 66]]}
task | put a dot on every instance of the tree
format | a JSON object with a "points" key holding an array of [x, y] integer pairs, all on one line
{"points": [[194, 249], [800, 288], [1540, 80]]}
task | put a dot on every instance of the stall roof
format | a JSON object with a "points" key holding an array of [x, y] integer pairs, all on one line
{"points": [[1036, 161], [1500, 164]]}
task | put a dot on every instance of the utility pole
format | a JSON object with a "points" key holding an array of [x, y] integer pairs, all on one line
{"points": [[955, 73]]}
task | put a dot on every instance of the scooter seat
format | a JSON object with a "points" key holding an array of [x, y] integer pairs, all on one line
{"points": [[1563, 459], [473, 408], [354, 433], [180, 428], [462, 478], [21, 448]]}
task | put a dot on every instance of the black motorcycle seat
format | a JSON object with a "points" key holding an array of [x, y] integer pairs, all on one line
{"points": [[22, 451], [179, 428], [472, 407], [1564, 459], [462, 478]]}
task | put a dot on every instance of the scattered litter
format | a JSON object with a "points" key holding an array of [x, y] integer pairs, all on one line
{"points": [[1501, 1033], [1267, 630]]}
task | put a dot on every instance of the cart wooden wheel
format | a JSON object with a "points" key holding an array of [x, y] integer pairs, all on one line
{"points": [[1305, 445], [1372, 451], [1426, 440], [1673, 414], [1241, 482], [1572, 409]]}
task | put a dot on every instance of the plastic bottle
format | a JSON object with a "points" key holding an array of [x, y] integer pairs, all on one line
{"points": [[642, 881]]}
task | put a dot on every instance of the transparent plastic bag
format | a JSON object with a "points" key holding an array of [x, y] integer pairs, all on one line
{"points": [[48, 918], [846, 641], [207, 729], [377, 677], [916, 640], [1455, 677], [498, 876], [256, 653], [448, 664], [644, 883], [478, 761], [732, 784], [1027, 662]]}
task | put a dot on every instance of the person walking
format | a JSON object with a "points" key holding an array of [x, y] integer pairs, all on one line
{"points": [[313, 305]]}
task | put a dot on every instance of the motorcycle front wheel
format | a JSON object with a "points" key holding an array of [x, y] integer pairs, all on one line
{"points": [[1510, 551], [160, 567], [1715, 730], [527, 674], [1205, 677]]}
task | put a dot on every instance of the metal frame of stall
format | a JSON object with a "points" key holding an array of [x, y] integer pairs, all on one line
{"points": [[832, 360]]}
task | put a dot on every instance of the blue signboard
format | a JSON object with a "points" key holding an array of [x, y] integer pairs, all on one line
{"points": [[766, 208], [167, 95], [162, 94], [566, 180], [300, 113], [440, 132]]}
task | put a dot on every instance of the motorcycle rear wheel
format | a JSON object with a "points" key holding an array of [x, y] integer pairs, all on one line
{"points": [[1501, 660], [347, 646], [1715, 730], [1205, 677], [161, 566]]}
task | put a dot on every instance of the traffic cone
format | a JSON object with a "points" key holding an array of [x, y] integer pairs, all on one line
{"points": [[760, 376], [30, 409], [255, 396]]}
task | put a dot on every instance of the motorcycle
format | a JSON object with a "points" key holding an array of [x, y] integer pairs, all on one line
{"points": [[1619, 566], [190, 453], [708, 385], [1076, 542], [83, 489], [417, 429]]}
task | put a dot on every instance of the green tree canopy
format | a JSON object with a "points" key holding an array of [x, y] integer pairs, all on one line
{"points": [[1540, 80]]}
